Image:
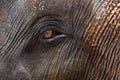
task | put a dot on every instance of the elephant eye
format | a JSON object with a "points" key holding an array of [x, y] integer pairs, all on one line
{"points": [[52, 34]]}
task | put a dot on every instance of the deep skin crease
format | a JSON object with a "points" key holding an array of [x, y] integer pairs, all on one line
{"points": [[89, 49]]}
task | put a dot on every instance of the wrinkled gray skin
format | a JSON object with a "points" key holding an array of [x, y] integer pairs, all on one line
{"points": [[86, 48]]}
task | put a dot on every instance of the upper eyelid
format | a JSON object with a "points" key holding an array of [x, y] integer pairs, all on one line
{"points": [[52, 27], [56, 24], [39, 23], [47, 23]]}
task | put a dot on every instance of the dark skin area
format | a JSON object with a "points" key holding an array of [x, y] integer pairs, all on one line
{"points": [[59, 40]]}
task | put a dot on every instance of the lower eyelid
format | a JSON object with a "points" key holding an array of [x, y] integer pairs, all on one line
{"points": [[56, 37]]}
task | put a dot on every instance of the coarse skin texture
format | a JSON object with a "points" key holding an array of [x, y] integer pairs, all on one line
{"points": [[90, 50]]}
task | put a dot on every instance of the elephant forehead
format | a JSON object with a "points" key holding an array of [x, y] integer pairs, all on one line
{"points": [[55, 6], [51, 5], [97, 7]]}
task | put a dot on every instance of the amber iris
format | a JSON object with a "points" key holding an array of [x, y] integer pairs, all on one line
{"points": [[48, 34]]}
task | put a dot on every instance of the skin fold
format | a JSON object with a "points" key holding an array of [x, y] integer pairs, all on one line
{"points": [[85, 43]]}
